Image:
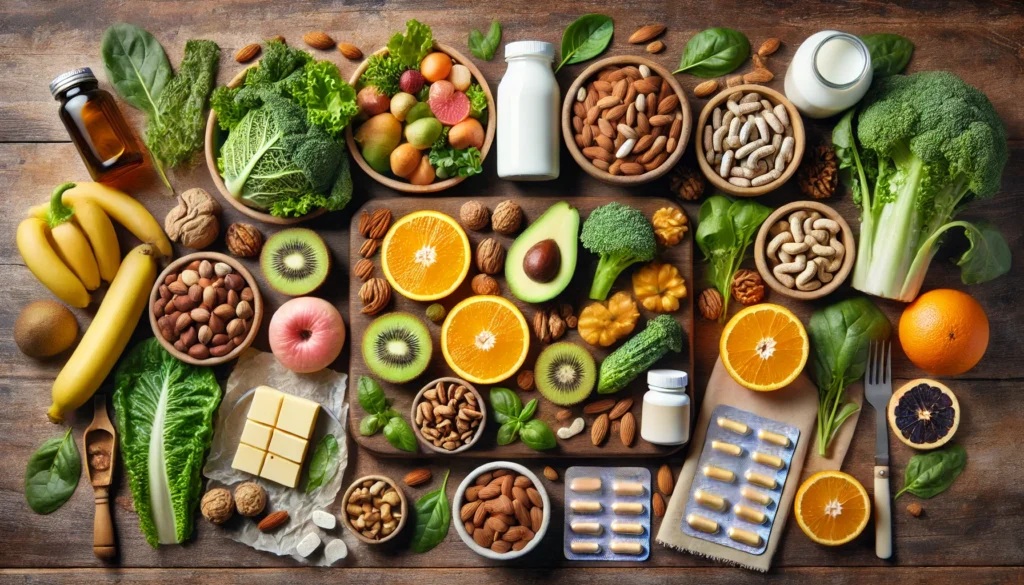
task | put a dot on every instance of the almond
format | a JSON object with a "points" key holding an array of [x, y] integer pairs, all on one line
{"points": [[667, 105], [661, 120], [769, 46], [417, 477], [536, 519], [621, 408], [564, 414], [350, 51], [656, 47], [646, 33], [658, 505], [631, 168], [758, 76], [550, 473], [246, 53], [599, 406], [318, 40], [734, 81], [599, 430], [273, 521], [665, 482], [468, 510], [627, 430], [490, 491]]}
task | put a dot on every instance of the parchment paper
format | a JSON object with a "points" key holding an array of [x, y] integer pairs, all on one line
{"points": [[256, 368]]}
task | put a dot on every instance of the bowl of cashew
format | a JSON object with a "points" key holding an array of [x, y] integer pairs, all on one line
{"points": [[804, 250]]}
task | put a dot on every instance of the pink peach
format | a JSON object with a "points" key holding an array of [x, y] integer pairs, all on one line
{"points": [[306, 334]]}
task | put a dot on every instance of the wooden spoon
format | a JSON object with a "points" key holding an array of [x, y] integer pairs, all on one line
{"points": [[100, 453]]}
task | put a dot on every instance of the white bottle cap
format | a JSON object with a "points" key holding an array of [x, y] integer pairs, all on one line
{"points": [[530, 48], [668, 379]]}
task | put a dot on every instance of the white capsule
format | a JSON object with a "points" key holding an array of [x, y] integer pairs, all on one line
{"points": [[702, 524], [626, 548], [585, 507], [628, 488], [732, 425], [727, 448], [628, 508], [717, 473], [585, 548], [586, 484]]}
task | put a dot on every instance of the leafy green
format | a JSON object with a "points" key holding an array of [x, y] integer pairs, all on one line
{"points": [[930, 474], [52, 474], [621, 236], [164, 413], [136, 66], [725, 230], [515, 421], [432, 518], [371, 396], [484, 47], [506, 405], [840, 334], [537, 435], [324, 463], [329, 101], [380, 416], [889, 53], [622, 366], [587, 37], [399, 434], [383, 72], [988, 256], [449, 162], [413, 46], [509, 432], [477, 101], [714, 52]]}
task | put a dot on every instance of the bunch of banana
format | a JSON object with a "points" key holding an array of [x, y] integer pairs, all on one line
{"points": [[69, 244]]}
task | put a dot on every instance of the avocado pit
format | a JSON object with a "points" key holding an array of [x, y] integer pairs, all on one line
{"points": [[542, 261]]}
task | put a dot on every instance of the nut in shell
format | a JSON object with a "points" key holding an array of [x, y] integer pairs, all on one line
{"points": [[490, 256], [710, 304], [193, 221], [217, 505], [507, 217], [375, 294], [250, 499], [747, 287], [474, 215], [363, 269], [244, 240], [525, 380], [572, 430], [483, 284]]}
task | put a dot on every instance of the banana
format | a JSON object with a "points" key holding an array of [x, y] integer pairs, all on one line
{"points": [[124, 210], [100, 231], [46, 265], [107, 336], [75, 251]]}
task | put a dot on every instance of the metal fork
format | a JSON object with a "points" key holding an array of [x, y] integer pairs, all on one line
{"points": [[878, 390]]}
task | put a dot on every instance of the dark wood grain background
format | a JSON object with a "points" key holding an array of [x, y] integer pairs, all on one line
{"points": [[970, 534]]}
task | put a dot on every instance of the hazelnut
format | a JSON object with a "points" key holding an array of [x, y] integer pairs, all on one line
{"points": [[250, 499], [490, 256], [474, 215], [525, 380], [243, 240], [485, 285], [507, 218], [436, 312], [193, 221], [542, 261], [217, 506]]}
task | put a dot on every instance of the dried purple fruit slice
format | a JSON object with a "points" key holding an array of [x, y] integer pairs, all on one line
{"points": [[924, 414]]}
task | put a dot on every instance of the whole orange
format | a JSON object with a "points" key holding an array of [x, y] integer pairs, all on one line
{"points": [[944, 332]]}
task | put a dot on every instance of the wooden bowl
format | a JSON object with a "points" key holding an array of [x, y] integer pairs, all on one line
{"points": [[429, 445], [798, 134], [405, 186], [212, 149], [460, 498], [568, 132], [257, 306], [355, 531], [764, 267]]}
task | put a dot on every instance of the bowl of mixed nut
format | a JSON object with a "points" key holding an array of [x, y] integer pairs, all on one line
{"points": [[503, 510], [374, 509], [449, 415], [626, 120]]}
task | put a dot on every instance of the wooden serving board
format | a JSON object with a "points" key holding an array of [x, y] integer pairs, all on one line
{"points": [[402, 395]]}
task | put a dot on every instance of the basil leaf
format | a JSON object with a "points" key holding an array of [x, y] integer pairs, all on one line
{"points": [[484, 47], [930, 474], [136, 66], [432, 518], [506, 405], [528, 410], [537, 435], [371, 396], [714, 52], [889, 53], [509, 432], [372, 424], [988, 257], [587, 37], [324, 463], [400, 435], [52, 474]]}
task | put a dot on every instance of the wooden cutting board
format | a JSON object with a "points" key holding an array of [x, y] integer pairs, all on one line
{"points": [[402, 395]]}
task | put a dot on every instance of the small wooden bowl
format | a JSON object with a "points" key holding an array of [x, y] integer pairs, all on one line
{"points": [[764, 267], [568, 131], [355, 531], [479, 429], [460, 498], [257, 306], [405, 186], [798, 134], [212, 149]]}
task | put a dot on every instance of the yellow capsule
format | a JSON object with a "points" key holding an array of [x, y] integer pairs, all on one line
{"points": [[702, 524], [732, 425], [773, 438], [627, 548], [586, 484], [585, 548], [627, 527], [719, 473], [744, 536], [709, 500], [628, 488], [749, 514], [755, 496], [585, 506], [766, 459], [727, 448], [761, 479], [593, 528], [631, 508]]}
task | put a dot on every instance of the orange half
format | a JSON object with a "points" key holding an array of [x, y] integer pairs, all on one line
{"points": [[485, 339], [764, 347], [832, 508], [425, 256]]}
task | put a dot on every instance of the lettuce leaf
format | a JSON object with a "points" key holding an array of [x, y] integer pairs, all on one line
{"points": [[164, 411], [413, 46], [329, 101]]}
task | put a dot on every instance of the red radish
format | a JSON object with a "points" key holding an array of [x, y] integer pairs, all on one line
{"points": [[306, 334], [411, 81], [448, 105]]}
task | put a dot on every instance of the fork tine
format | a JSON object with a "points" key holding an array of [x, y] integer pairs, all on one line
{"points": [[888, 362], [871, 362]]}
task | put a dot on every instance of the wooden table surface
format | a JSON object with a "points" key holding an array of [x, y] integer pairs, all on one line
{"points": [[970, 534]]}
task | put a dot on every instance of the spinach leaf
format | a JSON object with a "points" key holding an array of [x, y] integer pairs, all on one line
{"points": [[506, 405], [989, 255], [432, 518], [372, 424], [371, 396], [136, 66], [889, 53], [714, 52], [399, 434], [413, 46], [587, 37], [484, 47], [515, 421], [537, 435], [52, 474], [324, 463], [509, 432], [930, 474], [725, 230]]}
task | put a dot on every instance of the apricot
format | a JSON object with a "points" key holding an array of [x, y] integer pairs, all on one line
{"points": [[405, 159], [466, 133], [436, 66], [424, 173]]}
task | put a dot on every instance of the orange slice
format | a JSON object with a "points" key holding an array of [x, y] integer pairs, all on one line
{"points": [[764, 347], [485, 339], [425, 256], [832, 508]]}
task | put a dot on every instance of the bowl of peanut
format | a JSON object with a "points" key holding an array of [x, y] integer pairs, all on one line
{"points": [[374, 509], [449, 415], [626, 120], [503, 510]]}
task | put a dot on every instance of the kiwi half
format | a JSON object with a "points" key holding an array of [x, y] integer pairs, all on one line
{"points": [[397, 347], [295, 261], [565, 373]]}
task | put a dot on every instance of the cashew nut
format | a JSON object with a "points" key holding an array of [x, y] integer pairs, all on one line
{"points": [[743, 172], [716, 119], [766, 178], [822, 273], [739, 181], [773, 121], [727, 160], [827, 224], [837, 260], [733, 107], [734, 127], [781, 113], [709, 143], [718, 137], [795, 248], [750, 97], [762, 128], [809, 221], [779, 227], [749, 148], [745, 131], [759, 154], [733, 142], [805, 280], [777, 241], [784, 257], [796, 225]]}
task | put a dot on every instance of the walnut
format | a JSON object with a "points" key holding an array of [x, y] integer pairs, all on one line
{"points": [[565, 310], [375, 295], [193, 222], [507, 217], [525, 380], [363, 269], [556, 325], [217, 506], [818, 176], [747, 287], [474, 215], [244, 240], [490, 256], [572, 321], [540, 326], [710, 304], [485, 285], [374, 225], [369, 248], [686, 183], [669, 225], [250, 499]]}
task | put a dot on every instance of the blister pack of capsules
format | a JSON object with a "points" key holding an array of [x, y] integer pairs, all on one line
{"points": [[607, 513]]}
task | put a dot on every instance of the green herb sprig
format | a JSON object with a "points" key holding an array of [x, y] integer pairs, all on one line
{"points": [[324, 463], [517, 421], [52, 474], [484, 47], [587, 37], [930, 474], [714, 52], [380, 416]]}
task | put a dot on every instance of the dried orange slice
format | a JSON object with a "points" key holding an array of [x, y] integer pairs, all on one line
{"points": [[485, 339], [425, 255], [764, 347], [832, 508]]}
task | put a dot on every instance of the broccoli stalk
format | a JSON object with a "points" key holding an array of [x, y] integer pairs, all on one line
{"points": [[620, 236]]}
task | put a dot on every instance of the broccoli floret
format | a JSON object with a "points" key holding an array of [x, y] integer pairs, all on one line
{"points": [[621, 236]]}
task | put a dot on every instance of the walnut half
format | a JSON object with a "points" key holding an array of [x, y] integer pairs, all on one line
{"points": [[193, 222]]}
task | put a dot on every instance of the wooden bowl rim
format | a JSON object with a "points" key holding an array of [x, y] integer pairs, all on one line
{"points": [[257, 307], [479, 431], [401, 496], [799, 135], [584, 163], [435, 187], [761, 260]]}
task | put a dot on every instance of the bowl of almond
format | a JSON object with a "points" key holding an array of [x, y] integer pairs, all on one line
{"points": [[503, 510], [626, 120]]}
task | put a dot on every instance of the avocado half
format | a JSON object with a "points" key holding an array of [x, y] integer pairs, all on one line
{"points": [[555, 233]]}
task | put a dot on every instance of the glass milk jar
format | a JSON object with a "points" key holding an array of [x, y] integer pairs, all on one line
{"points": [[528, 123], [830, 72]]}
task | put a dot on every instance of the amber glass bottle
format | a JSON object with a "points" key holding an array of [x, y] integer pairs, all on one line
{"points": [[96, 125]]}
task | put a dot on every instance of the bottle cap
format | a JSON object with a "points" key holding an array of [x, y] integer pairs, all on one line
{"points": [[530, 48], [67, 80], [668, 379]]}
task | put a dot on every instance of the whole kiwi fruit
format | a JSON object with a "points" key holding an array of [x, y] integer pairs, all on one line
{"points": [[44, 329]]}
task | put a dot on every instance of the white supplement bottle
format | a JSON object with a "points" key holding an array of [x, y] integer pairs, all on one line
{"points": [[830, 72], [665, 418], [528, 124]]}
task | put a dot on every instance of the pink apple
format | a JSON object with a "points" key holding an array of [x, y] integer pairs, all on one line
{"points": [[306, 334]]}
